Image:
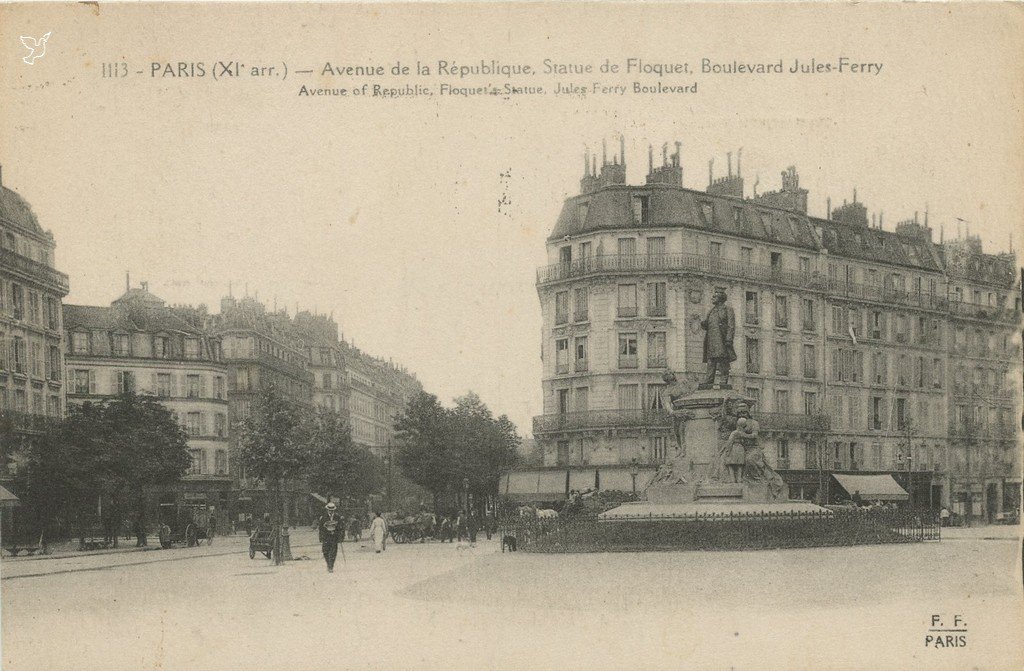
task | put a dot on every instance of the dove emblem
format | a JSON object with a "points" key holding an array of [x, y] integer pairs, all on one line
{"points": [[36, 48]]}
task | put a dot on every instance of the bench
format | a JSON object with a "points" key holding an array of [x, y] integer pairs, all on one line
{"points": [[29, 550], [93, 543]]}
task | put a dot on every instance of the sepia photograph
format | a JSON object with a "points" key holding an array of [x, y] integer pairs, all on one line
{"points": [[541, 335]]}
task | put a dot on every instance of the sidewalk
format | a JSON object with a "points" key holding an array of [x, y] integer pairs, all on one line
{"points": [[230, 543], [986, 532]]}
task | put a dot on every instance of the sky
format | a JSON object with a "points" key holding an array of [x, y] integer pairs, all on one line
{"points": [[420, 222]]}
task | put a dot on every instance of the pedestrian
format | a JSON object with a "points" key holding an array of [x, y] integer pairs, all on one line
{"points": [[944, 516], [472, 526], [378, 531], [331, 527], [212, 528], [356, 528], [460, 526], [446, 529]]}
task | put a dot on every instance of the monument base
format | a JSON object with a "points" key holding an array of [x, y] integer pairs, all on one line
{"points": [[649, 511]]}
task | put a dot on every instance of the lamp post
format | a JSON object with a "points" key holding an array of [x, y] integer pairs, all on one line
{"points": [[465, 492], [634, 470], [387, 468], [910, 481]]}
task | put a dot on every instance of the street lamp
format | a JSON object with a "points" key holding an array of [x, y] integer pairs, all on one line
{"points": [[465, 491], [910, 481], [634, 471]]}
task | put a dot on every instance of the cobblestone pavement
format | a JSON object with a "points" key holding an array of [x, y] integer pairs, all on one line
{"points": [[452, 606]]}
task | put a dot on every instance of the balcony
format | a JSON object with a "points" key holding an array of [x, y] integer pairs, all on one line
{"points": [[657, 361], [631, 264], [628, 361], [600, 419], [883, 294], [606, 419], [582, 366], [986, 312], [35, 271], [24, 422]]}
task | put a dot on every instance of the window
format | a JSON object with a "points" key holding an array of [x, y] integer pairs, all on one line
{"points": [[221, 462], [193, 424], [627, 246], [562, 307], [856, 418], [581, 354], [707, 209], [737, 216], [563, 401], [656, 250], [220, 424], [810, 403], [17, 300], [641, 210], [37, 360], [753, 355], [582, 304], [782, 454], [627, 350], [627, 300], [937, 373], [782, 312], [751, 312], [196, 467], [782, 400], [655, 397], [18, 354], [82, 382], [656, 356], [658, 448], [656, 299], [80, 343], [562, 453], [562, 355], [565, 255], [902, 370], [629, 397], [122, 345], [920, 373], [854, 323], [805, 266], [125, 382], [902, 326], [52, 314], [747, 256], [191, 348], [810, 361], [716, 250], [807, 315], [838, 320], [160, 350], [192, 389], [54, 362], [163, 385], [877, 412], [879, 372], [901, 414], [328, 381], [781, 358]]}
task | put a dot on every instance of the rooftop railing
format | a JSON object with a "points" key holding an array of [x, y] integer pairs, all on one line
{"points": [[34, 269]]}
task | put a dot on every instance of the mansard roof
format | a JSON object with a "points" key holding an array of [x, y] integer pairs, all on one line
{"points": [[876, 245], [611, 208], [16, 210]]}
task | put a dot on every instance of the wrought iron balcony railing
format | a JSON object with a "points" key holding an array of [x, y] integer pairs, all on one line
{"points": [[40, 272], [602, 419], [694, 263]]}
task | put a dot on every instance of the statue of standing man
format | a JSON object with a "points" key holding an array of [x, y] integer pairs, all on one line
{"points": [[720, 328]]}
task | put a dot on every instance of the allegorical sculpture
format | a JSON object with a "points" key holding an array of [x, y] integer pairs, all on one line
{"points": [[676, 391], [719, 331]]}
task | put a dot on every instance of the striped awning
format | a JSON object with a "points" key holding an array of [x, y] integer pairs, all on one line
{"points": [[872, 487]]}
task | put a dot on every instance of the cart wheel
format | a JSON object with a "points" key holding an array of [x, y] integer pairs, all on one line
{"points": [[165, 536], [190, 536]]}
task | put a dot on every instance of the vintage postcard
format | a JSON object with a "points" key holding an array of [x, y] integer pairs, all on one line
{"points": [[511, 336]]}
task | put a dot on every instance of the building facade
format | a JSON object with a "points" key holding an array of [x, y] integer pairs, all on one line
{"points": [[31, 351], [845, 331], [140, 345]]}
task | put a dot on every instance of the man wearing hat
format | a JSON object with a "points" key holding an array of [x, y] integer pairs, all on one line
{"points": [[331, 528]]}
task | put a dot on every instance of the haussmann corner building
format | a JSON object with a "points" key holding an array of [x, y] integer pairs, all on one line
{"points": [[868, 351]]}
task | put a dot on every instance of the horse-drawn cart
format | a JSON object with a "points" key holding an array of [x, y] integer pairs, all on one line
{"points": [[183, 524], [262, 540]]}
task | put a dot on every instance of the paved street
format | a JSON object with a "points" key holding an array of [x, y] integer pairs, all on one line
{"points": [[444, 606]]}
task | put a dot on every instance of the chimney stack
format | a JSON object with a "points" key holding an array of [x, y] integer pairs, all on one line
{"points": [[711, 171], [739, 162], [728, 157], [650, 158], [622, 150], [604, 152], [664, 154], [679, 148]]}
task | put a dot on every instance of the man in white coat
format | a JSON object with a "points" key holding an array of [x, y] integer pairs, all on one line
{"points": [[378, 531]]}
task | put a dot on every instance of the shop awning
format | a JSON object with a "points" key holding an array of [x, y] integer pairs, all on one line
{"points": [[872, 487], [7, 499]]}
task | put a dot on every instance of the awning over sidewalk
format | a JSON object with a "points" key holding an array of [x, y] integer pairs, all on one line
{"points": [[872, 487], [7, 499]]}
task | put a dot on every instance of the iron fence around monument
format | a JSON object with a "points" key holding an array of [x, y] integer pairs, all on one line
{"points": [[721, 531]]}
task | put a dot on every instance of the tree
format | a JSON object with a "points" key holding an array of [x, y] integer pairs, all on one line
{"points": [[443, 450], [110, 454], [275, 446], [337, 466]]}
